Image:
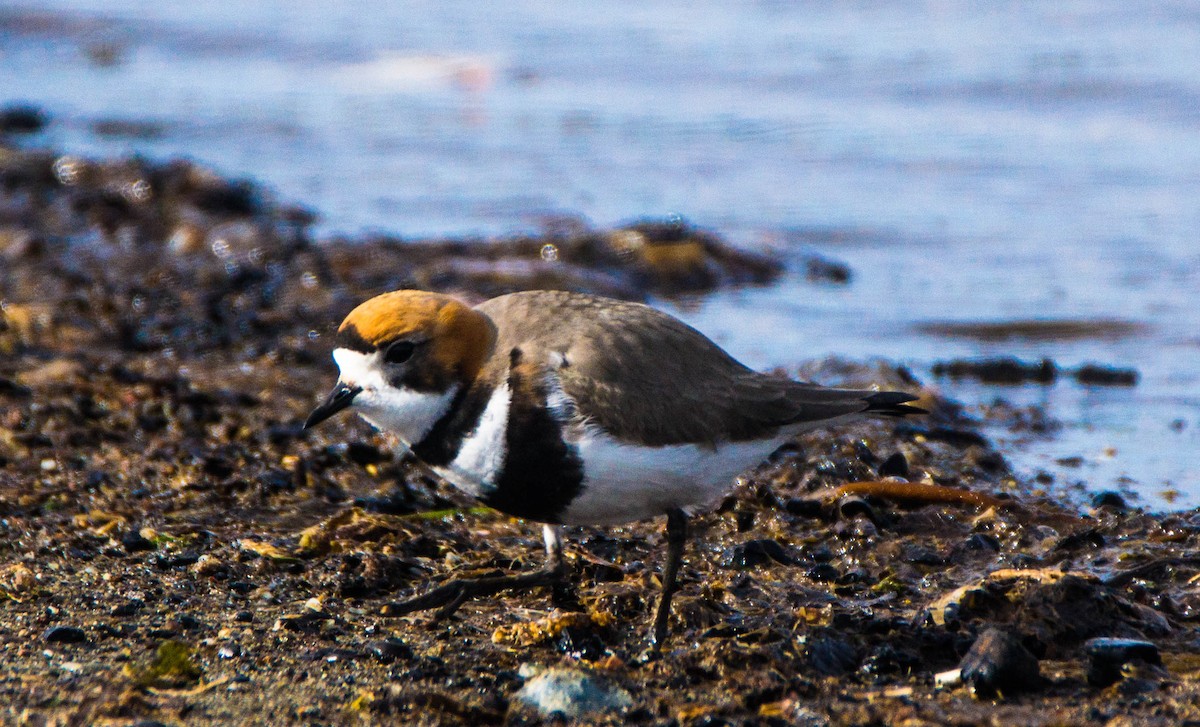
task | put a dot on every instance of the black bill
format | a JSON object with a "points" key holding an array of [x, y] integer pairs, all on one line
{"points": [[341, 397]]}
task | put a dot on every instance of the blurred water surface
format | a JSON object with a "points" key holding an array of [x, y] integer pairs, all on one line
{"points": [[970, 161]]}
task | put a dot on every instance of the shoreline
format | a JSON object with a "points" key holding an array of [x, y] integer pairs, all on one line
{"points": [[161, 332]]}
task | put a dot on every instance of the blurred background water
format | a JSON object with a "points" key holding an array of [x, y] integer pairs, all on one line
{"points": [[969, 161]]}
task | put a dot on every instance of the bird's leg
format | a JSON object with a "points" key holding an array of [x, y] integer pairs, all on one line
{"points": [[552, 536], [676, 537], [449, 596]]}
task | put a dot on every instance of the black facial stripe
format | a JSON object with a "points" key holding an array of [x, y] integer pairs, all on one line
{"points": [[420, 377], [350, 338]]}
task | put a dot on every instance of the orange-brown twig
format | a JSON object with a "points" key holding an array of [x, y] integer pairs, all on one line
{"points": [[919, 492]]}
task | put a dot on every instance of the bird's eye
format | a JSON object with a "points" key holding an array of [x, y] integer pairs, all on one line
{"points": [[399, 352]]}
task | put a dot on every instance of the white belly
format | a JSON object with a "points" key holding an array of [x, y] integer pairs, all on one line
{"points": [[623, 483]]}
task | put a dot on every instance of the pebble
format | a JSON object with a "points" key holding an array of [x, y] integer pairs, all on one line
{"points": [[823, 270], [21, 119], [754, 553], [1004, 370], [389, 650], [64, 635], [921, 555], [823, 572], [852, 507], [129, 608], [803, 507], [999, 663], [830, 656], [176, 561], [1106, 657], [954, 437], [572, 692], [1100, 375], [187, 622], [1109, 499], [981, 542], [894, 466]]}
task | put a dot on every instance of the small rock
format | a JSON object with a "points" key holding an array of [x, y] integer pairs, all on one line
{"points": [[21, 119], [823, 572], [571, 692], [1024, 561], [1109, 499], [389, 650], [1107, 656], [162, 634], [310, 621], [129, 608], [754, 553], [1099, 375], [10, 388], [804, 507], [167, 562], [830, 656], [886, 659], [823, 270], [364, 453], [999, 663], [133, 542], [244, 616], [921, 555], [981, 542], [894, 466], [187, 622], [127, 129], [581, 643], [1090, 538], [954, 437], [64, 635], [853, 507], [332, 655], [1006, 370]]}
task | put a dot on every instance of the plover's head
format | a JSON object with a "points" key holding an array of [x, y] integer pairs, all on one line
{"points": [[402, 358]]}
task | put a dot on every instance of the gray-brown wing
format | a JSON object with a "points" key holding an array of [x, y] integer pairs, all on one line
{"points": [[644, 376]]}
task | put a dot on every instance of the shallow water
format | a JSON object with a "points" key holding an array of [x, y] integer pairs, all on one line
{"points": [[968, 162]]}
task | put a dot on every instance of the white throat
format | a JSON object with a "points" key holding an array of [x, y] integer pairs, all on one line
{"points": [[406, 413]]}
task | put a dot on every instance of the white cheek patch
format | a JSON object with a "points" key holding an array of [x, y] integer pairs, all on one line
{"points": [[403, 412]]}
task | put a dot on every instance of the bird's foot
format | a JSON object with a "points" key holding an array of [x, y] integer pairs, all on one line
{"points": [[447, 597]]}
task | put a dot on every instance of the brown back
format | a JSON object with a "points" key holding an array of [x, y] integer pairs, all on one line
{"points": [[646, 377]]}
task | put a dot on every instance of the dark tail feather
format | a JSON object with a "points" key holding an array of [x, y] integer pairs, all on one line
{"points": [[891, 403]]}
